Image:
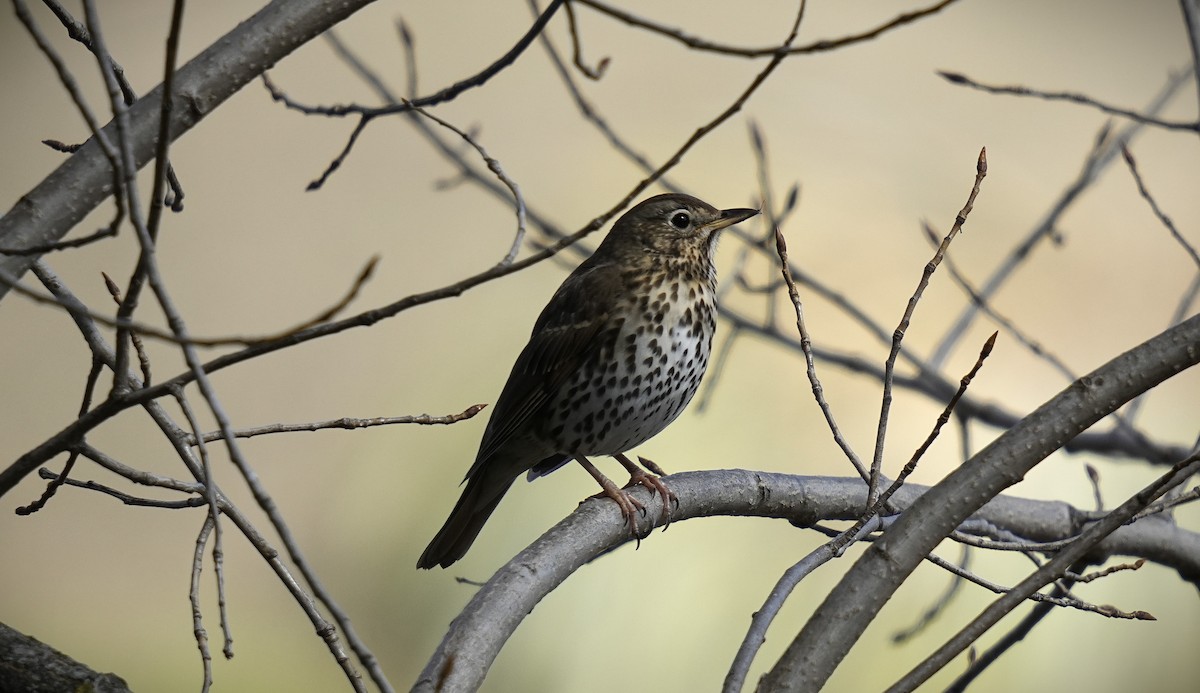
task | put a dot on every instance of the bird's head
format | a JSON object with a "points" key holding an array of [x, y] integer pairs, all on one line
{"points": [[672, 224]]}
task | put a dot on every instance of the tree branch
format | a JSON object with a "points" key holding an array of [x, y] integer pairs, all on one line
{"points": [[840, 620], [476, 636], [45, 214]]}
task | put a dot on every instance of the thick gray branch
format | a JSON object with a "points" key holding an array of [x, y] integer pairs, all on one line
{"points": [[31, 666], [475, 637], [45, 214], [867, 586]]}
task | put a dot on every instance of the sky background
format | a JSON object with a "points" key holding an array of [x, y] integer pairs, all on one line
{"points": [[878, 143]]}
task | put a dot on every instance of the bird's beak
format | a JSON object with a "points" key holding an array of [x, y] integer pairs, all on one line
{"points": [[729, 217]]}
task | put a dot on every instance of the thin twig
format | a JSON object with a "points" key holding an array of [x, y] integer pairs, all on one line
{"points": [[815, 47], [176, 436], [367, 113], [1119, 568], [137, 328], [877, 502], [198, 630], [162, 165], [214, 514], [1162, 217], [452, 91], [871, 520], [1191, 19], [1063, 600], [592, 115], [139, 476], [939, 605], [344, 423], [139, 347], [593, 73], [770, 220], [89, 390], [985, 306], [979, 663], [898, 335], [806, 347], [1052, 570], [125, 498], [1168, 503], [493, 165], [43, 248], [761, 619], [1093, 476], [1145, 119], [1102, 153]]}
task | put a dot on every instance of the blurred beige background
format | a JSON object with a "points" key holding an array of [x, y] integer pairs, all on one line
{"points": [[877, 141]]}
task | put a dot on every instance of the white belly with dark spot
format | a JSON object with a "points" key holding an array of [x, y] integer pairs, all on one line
{"points": [[646, 381]]}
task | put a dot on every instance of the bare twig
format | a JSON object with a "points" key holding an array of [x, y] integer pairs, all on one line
{"points": [[345, 423], [806, 347], [1062, 600], [878, 502], [1144, 118], [898, 335], [1162, 217], [125, 498], [813, 655], [1103, 151], [1120, 567], [143, 359], [176, 437], [592, 115], [59, 479], [871, 520], [939, 605], [137, 328], [493, 165], [1168, 503], [815, 47], [761, 619], [1191, 19], [985, 306], [198, 630], [367, 114], [1093, 476], [593, 73], [450, 92], [1053, 569], [978, 664], [214, 516], [43, 248]]}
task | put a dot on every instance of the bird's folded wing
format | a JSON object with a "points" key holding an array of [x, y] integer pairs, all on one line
{"points": [[563, 338]]}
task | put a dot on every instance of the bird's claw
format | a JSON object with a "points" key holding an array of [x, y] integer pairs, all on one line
{"points": [[652, 483]]}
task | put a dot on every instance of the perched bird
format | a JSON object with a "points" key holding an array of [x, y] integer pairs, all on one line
{"points": [[614, 357]]}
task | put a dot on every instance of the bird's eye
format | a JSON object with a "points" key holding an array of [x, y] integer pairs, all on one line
{"points": [[681, 220]]}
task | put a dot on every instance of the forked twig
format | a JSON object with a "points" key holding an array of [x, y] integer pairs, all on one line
{"points": [[898, 335]]}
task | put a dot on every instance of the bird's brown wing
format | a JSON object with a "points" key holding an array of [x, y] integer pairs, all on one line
{"points": [[563, 338]]}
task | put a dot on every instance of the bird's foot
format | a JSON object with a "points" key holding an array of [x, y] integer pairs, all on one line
{"points": [[630, 507], [638, 477]]}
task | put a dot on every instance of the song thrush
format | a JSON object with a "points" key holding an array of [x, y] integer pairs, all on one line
{"points": [[614, 357]]}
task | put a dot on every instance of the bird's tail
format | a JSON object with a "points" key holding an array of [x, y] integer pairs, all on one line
{"points": [[474, 507]]}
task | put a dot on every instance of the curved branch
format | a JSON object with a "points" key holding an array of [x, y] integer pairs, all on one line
{"points": [[476, 636], [45, 214]]}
